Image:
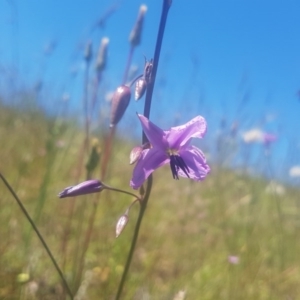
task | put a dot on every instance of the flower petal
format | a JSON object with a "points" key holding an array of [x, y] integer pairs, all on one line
{"points": [[196, 162], [179, 136], [150, 160], [156, 136]]}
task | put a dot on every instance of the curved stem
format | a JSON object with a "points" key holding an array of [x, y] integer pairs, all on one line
{"points": [[122, 191], [135, 79], [135, 236], [38, 234]]}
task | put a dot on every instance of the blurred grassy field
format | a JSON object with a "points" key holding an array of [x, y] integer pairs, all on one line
{"points": [[188, 237]]}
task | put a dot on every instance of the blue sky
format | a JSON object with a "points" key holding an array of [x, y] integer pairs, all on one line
{"points": [[214, 54]]}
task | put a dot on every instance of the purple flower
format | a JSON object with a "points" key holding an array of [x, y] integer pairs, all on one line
{"points": [[86, 187], [233, 259], [172, 146], [269, 138]]}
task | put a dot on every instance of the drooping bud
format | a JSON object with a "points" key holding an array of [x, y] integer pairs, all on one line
{"points": [[148, 70], [120, 101], [140, 88], [136, 33], [86, 187], [142, 81], [88, 52], [135, 154], [123, 220], [102, 55], [94, 157]]}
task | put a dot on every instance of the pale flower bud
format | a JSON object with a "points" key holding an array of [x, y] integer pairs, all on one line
{"points": [[135, 35], [123, 220], [140, 88], [119, 104], [148, 70], [135, 154], [102, 55]]}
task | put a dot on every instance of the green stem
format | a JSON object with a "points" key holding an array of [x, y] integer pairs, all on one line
{"points": [[86, 107], [121, 191], [135, 236], [38, 234], [160, 35], [148, 98]]}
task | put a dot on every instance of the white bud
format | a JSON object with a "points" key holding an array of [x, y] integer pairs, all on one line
{"points": [[121, 224]]}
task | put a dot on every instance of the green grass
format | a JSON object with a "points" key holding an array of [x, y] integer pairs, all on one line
{"points": [[188, 232]]}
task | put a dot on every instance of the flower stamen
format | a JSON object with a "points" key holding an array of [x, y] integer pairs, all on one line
{"points": [[176, 163]]}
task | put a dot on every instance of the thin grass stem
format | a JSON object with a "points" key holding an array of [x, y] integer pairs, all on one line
{"points": [[135, 237], [38, 234]]}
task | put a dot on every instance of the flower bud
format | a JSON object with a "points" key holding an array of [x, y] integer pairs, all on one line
{"points": [[102, 55], [135, 154], [86, 187], [148, 70], [135, 35], [140, 88], [88, 51], [123, 220], [119, 104]]}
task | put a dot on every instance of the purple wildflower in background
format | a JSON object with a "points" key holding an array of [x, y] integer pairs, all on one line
{"points": [[172, 146], [233, 259], [269, 138], [86, 187]]}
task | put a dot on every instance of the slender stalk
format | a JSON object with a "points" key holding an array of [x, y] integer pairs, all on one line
{"points": [[38, 234], [143, 206], [135, 237], [106, 155], [122, 191], [160, 35], [86, 106], [71, 208], [95, 93], [85, 150]]}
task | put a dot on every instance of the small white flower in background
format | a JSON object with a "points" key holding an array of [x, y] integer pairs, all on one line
{"points": [[259, 136], [65, 97], [275, 188], [294, 171], [253, 135], [180, 295], [32, 288]]}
